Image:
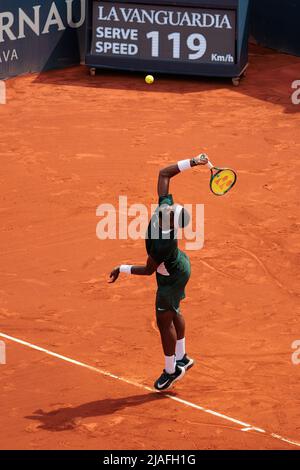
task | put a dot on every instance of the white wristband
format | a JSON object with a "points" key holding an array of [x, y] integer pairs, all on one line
{"points": [[184, 165], [125, 268]]}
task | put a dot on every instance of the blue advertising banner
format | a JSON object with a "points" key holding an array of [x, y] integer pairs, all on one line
{"points": [[38, 35]]}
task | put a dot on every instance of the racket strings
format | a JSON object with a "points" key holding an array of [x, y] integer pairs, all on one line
{"points": [[223, 182]]}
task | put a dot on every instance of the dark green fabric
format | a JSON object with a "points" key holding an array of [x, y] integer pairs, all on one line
{"points": [[171, 289], [163, 248]]}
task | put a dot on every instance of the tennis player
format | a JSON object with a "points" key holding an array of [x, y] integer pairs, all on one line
{"points": [[172, 268]]}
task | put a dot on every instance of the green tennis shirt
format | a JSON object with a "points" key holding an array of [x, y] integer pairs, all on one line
{"points": [[163, 246]]}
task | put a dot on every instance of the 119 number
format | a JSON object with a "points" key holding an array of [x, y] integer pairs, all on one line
{"points": [[196, 43]]}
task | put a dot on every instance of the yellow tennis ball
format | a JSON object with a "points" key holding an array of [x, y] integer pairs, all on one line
{"points": [[149, 79]]}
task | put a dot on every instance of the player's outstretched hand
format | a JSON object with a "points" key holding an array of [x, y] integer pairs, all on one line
{"points": [[201, 159], [114, 275]]}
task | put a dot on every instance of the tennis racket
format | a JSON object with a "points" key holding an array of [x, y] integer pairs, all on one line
{"points": [[222, 179]]}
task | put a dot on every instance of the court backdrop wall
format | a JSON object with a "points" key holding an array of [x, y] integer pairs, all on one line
{"points": [[39, 35], [276, 24]]}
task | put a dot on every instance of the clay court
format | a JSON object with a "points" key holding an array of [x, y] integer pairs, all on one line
{"points": [[70, 142]]}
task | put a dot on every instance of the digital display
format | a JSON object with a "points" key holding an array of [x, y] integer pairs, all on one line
{"points": [[164, 33]]}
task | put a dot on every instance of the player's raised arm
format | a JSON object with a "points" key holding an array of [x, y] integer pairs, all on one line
{"points": [[147, 270], [167, 173]]}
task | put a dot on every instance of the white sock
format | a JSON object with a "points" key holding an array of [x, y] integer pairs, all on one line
{"points": [[170, 364], [180, 349]]}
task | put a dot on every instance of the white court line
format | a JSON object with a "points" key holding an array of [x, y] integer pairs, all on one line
{"points": [[245, 427]]}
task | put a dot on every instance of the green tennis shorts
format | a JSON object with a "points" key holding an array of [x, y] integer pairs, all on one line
{"points": [[171, 289]]}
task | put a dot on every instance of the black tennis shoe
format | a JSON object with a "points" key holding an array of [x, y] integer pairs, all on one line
{"points": [[186, 362], [165, 381]]}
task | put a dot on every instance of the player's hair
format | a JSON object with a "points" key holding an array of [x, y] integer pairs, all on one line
{"points": [[184, 218]]}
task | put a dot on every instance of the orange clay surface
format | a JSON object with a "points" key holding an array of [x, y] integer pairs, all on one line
{"points": [[69, 142]]}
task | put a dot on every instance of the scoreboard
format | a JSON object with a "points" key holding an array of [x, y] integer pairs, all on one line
{"points": [[189, 37], [163, 33]]}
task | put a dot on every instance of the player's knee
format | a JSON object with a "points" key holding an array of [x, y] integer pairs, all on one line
{"points": [[164, 320]]}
